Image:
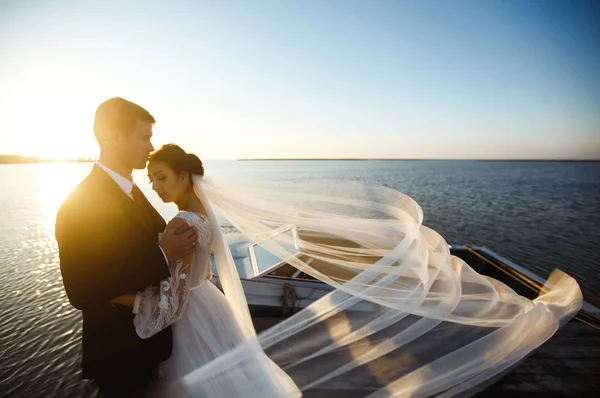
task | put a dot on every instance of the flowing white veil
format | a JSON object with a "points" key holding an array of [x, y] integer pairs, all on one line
{"points": [[406, 318]]}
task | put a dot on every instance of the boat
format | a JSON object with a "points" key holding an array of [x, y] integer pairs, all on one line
{"points": [[275, 289]]}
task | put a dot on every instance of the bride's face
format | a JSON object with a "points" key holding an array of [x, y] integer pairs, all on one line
{"points": [[169, 186]]}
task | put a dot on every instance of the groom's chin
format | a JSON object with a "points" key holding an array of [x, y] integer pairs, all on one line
{"points": [[141, 166]]}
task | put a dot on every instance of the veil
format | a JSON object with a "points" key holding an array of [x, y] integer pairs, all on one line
{"points": [[404, 317]]}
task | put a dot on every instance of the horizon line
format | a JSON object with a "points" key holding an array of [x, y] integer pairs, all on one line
{"points": [[426, 159], [24, 159]]}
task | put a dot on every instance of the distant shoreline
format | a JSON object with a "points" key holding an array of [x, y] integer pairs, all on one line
{"points": [[19, 159], [421, 160]]}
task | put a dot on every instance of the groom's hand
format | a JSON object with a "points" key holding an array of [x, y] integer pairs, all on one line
{"points": [[179, 240]]}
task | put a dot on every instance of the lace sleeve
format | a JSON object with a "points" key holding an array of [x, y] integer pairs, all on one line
{"points": [[162, 306]]}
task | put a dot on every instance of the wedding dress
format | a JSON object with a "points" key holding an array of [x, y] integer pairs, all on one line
{"points": [[204, 328]]}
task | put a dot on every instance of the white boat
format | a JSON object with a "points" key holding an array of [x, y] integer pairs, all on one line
{"points": [[275, 288]]}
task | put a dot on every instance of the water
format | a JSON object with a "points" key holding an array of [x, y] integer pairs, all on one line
{"points": [[541, 215]]}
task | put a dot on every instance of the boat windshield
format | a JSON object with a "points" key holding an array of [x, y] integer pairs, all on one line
{"points": [[267, 264]]}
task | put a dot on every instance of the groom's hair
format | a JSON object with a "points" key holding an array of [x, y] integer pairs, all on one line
{"points": [[118, 114]]}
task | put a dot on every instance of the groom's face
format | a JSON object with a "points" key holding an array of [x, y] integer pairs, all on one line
{"points": [[135, 146]]}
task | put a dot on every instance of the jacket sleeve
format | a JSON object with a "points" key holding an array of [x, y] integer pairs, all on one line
{"points": [[98, 265]]}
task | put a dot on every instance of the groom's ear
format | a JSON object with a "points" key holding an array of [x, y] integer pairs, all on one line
{"points": [[108, 137]]}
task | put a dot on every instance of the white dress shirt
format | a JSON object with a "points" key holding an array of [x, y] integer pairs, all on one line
{"points": [[124, 183], [127, 186]]}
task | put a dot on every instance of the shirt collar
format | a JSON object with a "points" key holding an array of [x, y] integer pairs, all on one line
{"points": [[125, 184]]}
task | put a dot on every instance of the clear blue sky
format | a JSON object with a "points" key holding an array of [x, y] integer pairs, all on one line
{"points": [[230, 79]]}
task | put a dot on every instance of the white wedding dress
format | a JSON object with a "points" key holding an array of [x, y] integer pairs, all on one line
{"points": [[204, 328]]}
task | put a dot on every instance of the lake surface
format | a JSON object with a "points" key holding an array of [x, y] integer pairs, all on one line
{"points": [[542, 215]]}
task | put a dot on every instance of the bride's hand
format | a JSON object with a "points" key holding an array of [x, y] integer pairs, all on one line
{"points": [[179, 240]]}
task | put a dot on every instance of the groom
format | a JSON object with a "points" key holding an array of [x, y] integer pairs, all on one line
{"points": [[108, 240]]}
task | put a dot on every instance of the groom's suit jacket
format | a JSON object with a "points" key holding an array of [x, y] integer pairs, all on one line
{"points": [[108, 246]]}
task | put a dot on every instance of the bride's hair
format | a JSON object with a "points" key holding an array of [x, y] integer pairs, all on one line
{"points": [[178, 160]]}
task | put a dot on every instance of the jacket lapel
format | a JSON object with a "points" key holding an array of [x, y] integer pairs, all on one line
{"points": [[114, 193], [154, 218]]}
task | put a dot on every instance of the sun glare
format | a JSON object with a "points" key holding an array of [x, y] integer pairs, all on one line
{"points": [[53, 132], [51, 115], [53, 191]]}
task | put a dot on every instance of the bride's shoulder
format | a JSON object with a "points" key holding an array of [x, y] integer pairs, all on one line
{"points": [[189, 216]]}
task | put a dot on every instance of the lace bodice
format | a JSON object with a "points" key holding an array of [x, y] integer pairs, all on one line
{"points": [[158, 307]]}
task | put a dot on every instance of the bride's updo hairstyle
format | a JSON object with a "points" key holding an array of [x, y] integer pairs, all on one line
{"points": [[178, 160]]}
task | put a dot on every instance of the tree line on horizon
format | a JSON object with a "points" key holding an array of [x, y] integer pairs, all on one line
{"points": [[18, 159]]}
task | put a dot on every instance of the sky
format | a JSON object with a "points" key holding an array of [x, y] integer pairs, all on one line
{"points": [[282, 79]]}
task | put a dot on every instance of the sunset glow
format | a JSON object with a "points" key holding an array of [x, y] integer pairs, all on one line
{"points": [[248, 80]]}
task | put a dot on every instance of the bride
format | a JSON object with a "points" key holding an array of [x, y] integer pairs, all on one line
{"points": [[404, 318], [204, 324]]}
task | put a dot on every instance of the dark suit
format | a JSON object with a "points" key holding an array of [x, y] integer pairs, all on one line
{"points": [[108, 246]]}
